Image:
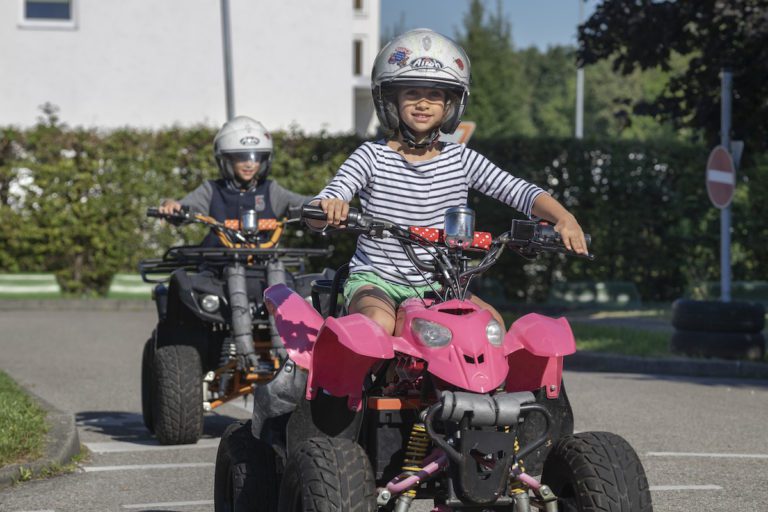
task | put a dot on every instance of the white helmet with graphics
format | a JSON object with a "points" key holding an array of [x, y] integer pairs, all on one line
{"points": [[420, 58], [241, 139]]}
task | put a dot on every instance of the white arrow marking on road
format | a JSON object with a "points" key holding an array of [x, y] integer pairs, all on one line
{"points": [[716, 455], [716, 176], [169, 504]]}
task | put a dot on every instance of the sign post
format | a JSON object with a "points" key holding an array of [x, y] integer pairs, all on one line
{"points": [[725, 209]]}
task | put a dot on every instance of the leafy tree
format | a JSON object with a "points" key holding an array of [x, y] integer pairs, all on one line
{"points": [[702, 37], [499, 102]]}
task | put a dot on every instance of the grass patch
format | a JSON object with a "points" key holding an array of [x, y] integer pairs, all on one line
{"points": [[620, 340], [22, 424], [613, 339]]}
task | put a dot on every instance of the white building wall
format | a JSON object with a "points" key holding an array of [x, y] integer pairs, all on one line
{"points": [[150, 63]]}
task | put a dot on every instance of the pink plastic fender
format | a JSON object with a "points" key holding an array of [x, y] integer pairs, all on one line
{"points": [[344, 352], [296, 321], [536, 345], [469, 361]]}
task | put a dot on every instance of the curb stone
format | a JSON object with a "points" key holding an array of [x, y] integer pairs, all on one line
{"points": [[76, 305], [62, 443], [717, 368]]}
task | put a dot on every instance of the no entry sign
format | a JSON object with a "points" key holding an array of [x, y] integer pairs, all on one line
{"points": [[721, 177]]}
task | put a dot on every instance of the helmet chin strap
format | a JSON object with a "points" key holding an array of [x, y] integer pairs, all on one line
{"points": [[410, 138]]}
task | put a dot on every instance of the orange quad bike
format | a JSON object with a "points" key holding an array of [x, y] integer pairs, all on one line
{"points": [[214, 341]]}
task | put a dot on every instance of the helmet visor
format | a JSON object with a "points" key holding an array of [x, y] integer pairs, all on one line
{"points": [[235, 157]]}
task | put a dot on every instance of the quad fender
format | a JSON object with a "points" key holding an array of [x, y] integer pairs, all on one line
{"points": [[297, 322], [536, 345], [344, 352]]}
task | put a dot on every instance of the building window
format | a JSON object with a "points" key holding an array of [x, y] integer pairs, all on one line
{"points": [[357, 57], [359, 5], [60, 10], [48, 14]]}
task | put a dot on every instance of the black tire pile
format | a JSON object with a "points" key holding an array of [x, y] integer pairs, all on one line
{"points": [[727, 330]]}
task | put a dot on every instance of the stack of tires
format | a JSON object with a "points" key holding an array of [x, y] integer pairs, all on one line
{"points": [[727, 330]]}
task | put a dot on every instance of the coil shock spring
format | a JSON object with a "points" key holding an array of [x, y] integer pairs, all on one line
{"points": [[415, 452], [515, 486]]}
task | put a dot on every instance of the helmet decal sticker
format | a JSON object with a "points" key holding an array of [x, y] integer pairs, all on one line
{"points": [[250, 140], [426, 43], [258, 203], [426, 62], [399, 56], [460, 63]]}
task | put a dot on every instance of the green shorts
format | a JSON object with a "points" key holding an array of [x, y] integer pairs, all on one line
{"points": [[397, 292]]}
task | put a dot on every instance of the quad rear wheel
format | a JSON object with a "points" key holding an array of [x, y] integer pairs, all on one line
{"points": [[147, 357], [177, 394], [328, 475], [597, 472]]}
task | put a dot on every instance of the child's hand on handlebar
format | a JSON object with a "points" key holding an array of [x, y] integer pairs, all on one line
{"points": [[336, 210], [169, 207], [572, 235]]}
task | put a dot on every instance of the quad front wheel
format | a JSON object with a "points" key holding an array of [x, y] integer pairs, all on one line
{"points": [[596, 472], [177, 394], [245, 476], [328, 474]]}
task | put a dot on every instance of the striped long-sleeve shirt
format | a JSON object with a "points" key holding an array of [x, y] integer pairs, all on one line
{"points": [[417, 194]]}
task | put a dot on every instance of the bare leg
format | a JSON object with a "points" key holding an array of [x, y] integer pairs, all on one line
{"points": [[374, 303], [484, 305]]}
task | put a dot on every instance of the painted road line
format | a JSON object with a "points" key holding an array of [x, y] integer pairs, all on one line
{"points": [[712, 455], [685, 488], [149, 445], [170, 504], [133, 467]]}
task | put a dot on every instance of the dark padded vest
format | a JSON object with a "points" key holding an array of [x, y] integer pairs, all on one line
{"points": [[227, 204]]}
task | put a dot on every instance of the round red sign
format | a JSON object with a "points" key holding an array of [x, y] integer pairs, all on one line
{"points": [[721, 177]]}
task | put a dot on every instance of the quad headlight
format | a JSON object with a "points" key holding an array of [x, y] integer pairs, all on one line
{"points": [[429, 333], [210, 303], [494, 333]]}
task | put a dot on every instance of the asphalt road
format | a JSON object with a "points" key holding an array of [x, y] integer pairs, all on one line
{"points": [[704, 442]]}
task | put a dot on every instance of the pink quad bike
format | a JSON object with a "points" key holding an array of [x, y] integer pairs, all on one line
{"points": [[450, 408]]}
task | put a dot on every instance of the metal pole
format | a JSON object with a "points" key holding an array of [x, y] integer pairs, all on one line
{"points": [[725, 213], [580, 87], [227, 44]]}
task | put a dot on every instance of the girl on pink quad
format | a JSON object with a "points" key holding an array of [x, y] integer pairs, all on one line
{"points": [[420, 84]]}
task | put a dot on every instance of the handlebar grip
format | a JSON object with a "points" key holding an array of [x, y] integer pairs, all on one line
{"points": [[154, 212], [314, 212]]}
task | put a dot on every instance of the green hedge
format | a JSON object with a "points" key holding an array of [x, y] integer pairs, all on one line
{"points": [[72, 202]]}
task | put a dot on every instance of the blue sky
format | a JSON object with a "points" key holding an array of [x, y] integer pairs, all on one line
{"points": [[539, 23]]}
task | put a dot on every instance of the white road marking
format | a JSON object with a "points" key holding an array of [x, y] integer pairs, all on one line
{"points": [[712, 455], [686, 488], [94, 469], [169, 504], [148, 445]]}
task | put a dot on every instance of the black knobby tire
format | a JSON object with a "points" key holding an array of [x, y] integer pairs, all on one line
{"points": [[245, 476], [177, 394], [597, 472], [147, 357], [328, 475], [725, 345], [716, 316]]}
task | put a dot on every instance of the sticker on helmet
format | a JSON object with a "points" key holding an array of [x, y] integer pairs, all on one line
{"points": [[399, 56], [249, 140], [258, 203], [460, 63], [426, 62]]}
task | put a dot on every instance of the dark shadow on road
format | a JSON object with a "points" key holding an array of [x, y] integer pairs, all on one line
{"points": [[129, 426]]}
